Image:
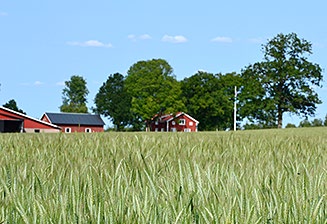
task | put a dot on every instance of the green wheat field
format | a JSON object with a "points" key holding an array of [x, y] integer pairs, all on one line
{"points": [[266, 176]]}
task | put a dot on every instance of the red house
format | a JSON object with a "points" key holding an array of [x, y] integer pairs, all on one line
{"points": [[12, 121], [75, 122], [180, 122]]}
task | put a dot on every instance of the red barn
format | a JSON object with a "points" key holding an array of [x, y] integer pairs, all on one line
{"points": [[75, 122], [180, 122], [12, 121]]}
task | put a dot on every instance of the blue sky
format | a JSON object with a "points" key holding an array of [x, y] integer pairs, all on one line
{"points": [[44, 43]]}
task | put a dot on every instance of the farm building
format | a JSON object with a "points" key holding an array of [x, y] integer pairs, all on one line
{"points": [[179, 122], [75, 122], [12, 121]]}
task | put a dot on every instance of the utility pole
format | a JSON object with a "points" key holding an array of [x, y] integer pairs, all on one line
{"points": [[235, 108]]}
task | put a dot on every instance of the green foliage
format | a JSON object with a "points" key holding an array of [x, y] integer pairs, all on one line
{"points": [[152, 86], [253, 126], [11, 104], [289, 125], [210, 99], [266, 176], [283, 82], [113, 101], [305, 123], [317, 122], [74, 95]]}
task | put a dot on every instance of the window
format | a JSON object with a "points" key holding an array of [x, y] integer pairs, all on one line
{"points": [[173, 129], [156, 129], [182, 122], [68, 130], [162, 129], [88, 130], [156, 123], [190, 123], [187, 130], [173, 122], [36, 130]]}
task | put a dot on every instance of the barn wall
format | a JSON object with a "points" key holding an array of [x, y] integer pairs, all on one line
{"points": [[44, 118], [35, 125], [4, 115], [81, 128], [34, 130], [29, 124]]}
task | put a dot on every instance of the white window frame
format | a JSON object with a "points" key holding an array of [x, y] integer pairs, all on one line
{"points": [[68, 130], [88, 130], [173, 122], [190, 123], [187, 129], [182, 122]]}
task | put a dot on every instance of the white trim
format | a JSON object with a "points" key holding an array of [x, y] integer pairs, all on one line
{"points": [[88, 130], [181, 113], [28, 117], [68, 130]]}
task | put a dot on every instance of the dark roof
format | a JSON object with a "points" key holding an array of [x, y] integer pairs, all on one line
{"points": [[75, 119]]}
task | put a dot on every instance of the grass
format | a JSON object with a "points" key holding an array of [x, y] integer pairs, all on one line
{"points": [[269, 176]]}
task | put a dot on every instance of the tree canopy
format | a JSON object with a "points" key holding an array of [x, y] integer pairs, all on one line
{"points": [[210, 98], [114, 102], [152, 86], [11, 104], [74, 95], [283, 82]]}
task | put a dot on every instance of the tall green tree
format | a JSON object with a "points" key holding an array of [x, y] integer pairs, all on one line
{"points": [[11, 104], [317, 122], [305, 123], [210, 99], [114, 102], [282, 82], [74, 95], [152, 86]]}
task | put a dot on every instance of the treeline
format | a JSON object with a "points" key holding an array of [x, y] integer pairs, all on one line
{"points": [[305, 123], [284, 82]]}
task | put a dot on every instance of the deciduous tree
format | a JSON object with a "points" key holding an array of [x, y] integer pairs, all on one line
{"points": [[152, 86], [114, 102], [74, 95], [11, 104], [283, 82], [210, 99]]}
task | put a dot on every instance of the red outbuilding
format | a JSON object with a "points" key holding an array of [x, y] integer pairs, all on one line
{"points": [[12, 121], [75, 122], [180, 122]]}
